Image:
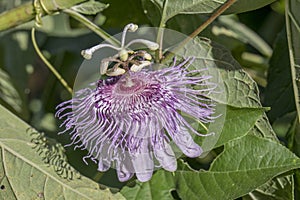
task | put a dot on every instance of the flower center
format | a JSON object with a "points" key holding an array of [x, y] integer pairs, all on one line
{"points": [[129, 85]]}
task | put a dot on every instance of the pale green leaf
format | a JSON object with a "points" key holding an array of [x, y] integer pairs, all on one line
{"points": [[90, 7], [26, 176]]}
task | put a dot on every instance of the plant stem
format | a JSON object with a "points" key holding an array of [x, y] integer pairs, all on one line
{"points": [[26, 12], [93, 27], [160, 33], [48, 64], [217, 13], [212, 18]]}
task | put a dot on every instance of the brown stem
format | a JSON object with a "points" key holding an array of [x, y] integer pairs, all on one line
{"points": [[201, 27]]}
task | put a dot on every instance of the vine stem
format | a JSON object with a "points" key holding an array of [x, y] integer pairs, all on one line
{"points": [[217, 13], [48, 64]]}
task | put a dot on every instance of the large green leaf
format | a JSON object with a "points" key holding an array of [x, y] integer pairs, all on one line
{"points": [[245, 164], [24, 175], [293, 32]]}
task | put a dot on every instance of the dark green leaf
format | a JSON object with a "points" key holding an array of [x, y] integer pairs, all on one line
{"points": [[279, 94], [120, 13], [293, 31]]}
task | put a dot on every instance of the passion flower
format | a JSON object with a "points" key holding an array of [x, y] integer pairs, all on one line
{"points": [[131, 119]]}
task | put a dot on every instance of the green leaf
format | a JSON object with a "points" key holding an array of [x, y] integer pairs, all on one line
{"points": [[26, 176], [238, 122], [263, 128], [244, 165], [293, 31], [90, 7], [171, 8], [279, 188], [279, 94]]}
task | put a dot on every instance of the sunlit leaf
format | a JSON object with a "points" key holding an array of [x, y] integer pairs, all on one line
{"points": [[26, 176], [90, 7]]}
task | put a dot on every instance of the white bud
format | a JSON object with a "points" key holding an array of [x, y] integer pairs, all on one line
{"points": [[87, 54]]}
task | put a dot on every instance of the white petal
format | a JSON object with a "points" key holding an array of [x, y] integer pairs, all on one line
{"points": [[166, 156]]}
